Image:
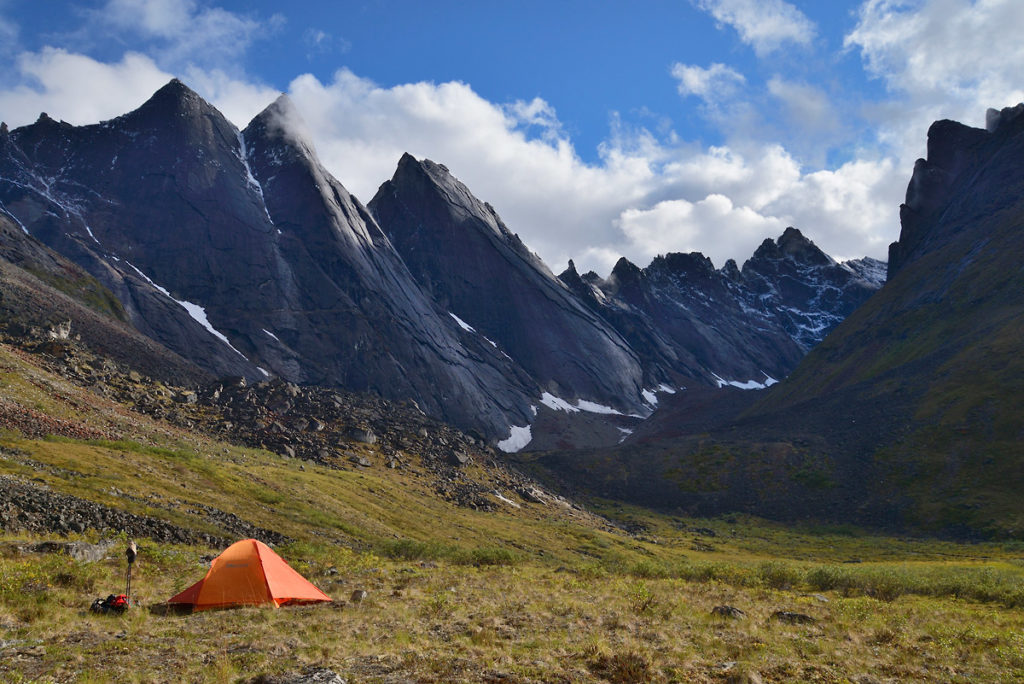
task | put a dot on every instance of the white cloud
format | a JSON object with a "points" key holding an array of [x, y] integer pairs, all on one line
{"points": [[712, 83], [807, 107], [939, 59], [765, 25], [683, 226], [849, 212], [181, 32], [723, 94], [79, 89], [643, 198]]}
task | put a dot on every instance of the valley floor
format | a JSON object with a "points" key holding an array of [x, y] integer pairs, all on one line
{"points": [[526, 621], [471, 572]]}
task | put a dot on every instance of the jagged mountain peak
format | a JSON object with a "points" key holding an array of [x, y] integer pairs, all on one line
{"points": [[426, 183], [281, 125], [460, 252], [280, 117], [625, 269], [693, 264], [570, 276], [731, 270], [792, 245], [173, 100]]}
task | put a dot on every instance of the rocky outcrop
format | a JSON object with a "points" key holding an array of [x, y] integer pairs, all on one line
{"points": [[956, 156], [30, 507]]}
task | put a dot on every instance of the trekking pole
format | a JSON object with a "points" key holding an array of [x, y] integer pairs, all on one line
{"points": [[131, 553]]}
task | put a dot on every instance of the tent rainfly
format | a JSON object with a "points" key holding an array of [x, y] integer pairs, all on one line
{"points": [[248, 573]]}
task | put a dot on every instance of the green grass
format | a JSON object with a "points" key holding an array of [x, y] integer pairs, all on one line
{"points": [[450, 621], [534, 593]]}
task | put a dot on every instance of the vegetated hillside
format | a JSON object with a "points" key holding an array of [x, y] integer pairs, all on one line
{"points": [[411, 527], [909, 412]]}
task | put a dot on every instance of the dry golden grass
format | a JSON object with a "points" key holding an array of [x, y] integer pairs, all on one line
{"points": [[441, 622], [533, 593]]}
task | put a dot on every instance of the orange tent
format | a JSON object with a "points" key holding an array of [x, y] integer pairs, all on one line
{"points": [[249, 573]]}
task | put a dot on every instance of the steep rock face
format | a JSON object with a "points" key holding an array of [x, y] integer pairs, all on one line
{"points": [[471, 264], [239, 250], [149, 203], [353, 312]]}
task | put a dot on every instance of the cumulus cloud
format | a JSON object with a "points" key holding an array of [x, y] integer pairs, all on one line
{"points": [[683, 226], [765, 25], [78, 89], [644, 197], [939, 59], [724, 97]]}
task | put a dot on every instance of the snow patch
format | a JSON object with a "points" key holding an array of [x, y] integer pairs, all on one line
{"points": [[14, 218], [243, 156], [749, 384], [197, 313], [463, 324], [666, 389], [626, 432], [518, 438], [505, 499], [591, 407], [649, 397], [265, 373], [270, 333], [557, 404]]}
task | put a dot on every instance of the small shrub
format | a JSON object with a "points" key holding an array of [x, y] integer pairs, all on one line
{"points": [[412, 550], [885, 585], [641, 599], [648, 569], [778, 575], [489, 555], [623, 668], [437, 604], [829, 578]]}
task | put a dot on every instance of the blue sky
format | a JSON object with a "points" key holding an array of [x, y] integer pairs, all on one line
{"points": [[595, 128]]}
